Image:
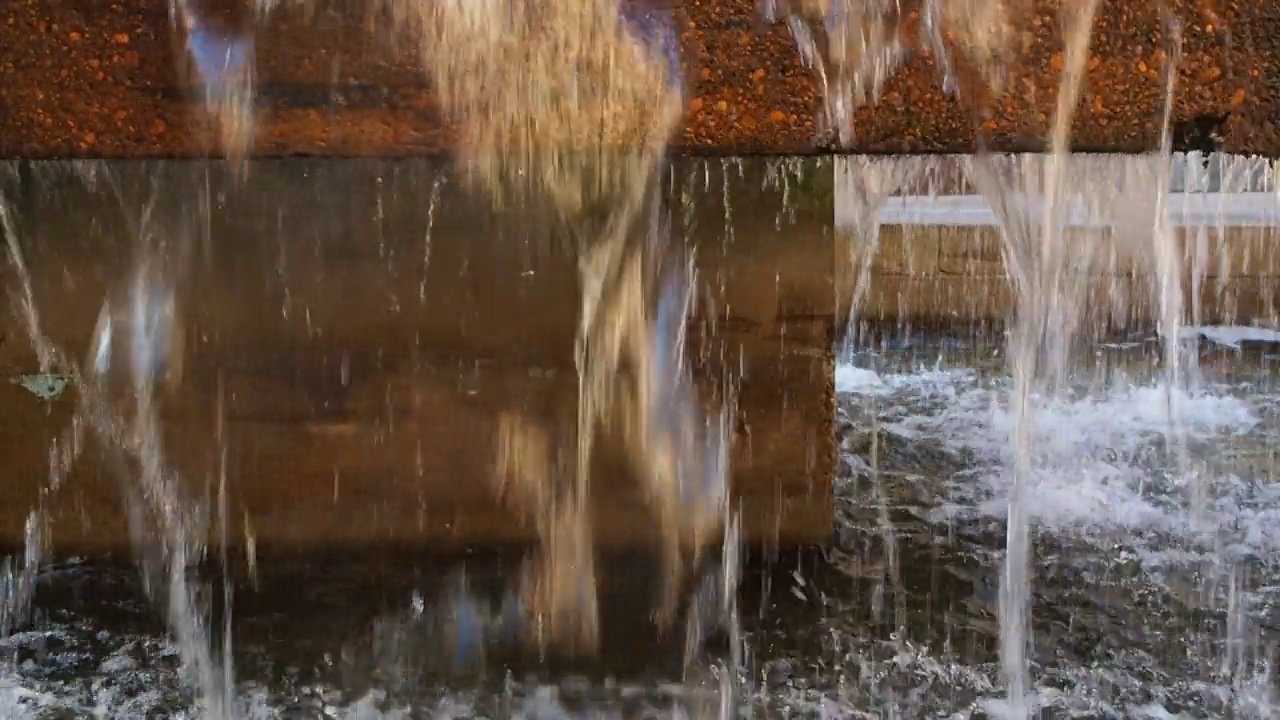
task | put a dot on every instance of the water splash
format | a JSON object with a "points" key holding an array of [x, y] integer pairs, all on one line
{"points": [[1068, 227], [1104, 495], [1112, 216]]}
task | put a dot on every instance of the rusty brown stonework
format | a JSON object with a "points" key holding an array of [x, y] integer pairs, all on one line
{"points": [[106, 78]]}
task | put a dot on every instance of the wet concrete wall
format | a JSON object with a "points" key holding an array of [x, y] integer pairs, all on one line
{"points": [[99, 78], [932, 275], [939, 257], [356, 327]]}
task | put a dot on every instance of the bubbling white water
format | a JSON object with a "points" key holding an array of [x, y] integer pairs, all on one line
{"points": [[1088, 246], [1107, 494]]}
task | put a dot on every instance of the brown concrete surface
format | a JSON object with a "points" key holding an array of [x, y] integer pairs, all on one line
{"points": [[363, 342], [105, 78]]}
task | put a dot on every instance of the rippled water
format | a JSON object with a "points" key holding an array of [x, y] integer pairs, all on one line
{"points": [[1135, 615]]}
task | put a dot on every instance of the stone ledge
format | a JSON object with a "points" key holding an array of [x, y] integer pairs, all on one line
{"points": [[107, 79], [927, 251], [1118, 301]]}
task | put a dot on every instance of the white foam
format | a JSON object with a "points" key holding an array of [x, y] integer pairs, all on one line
{"points": [[1105, 482], [1096, 464], [19, 702], [934, 381], [1089, 470], [1232, 335], [855, 380]]}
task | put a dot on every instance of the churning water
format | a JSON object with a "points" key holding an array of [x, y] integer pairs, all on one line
{"points": [[1134, 614]]}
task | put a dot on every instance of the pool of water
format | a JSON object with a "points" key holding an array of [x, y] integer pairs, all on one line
{"points": [[1141, 608]]}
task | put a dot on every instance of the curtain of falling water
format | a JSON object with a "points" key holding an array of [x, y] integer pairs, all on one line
{"points": [[221, 54], [1120, 261], [17, 584], [1044, 323], [559, 103], [855, 46], [1169, 271], [571, 104], [867, 184], [860, 45], [1225, 579], [135, 352], [567, 104]]}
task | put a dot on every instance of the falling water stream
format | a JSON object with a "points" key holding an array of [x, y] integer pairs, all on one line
{"points": [[900, 619], [568, 106]]}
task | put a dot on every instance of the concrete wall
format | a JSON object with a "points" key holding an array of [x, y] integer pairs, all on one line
{"points": [[938, 257], [360, 361], [948, 274]]}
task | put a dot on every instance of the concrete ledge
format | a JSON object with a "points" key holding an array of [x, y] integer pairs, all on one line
{"points": [[108, 79], [1182, 210], [361, 339], [939, 257], [930, 273]]}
